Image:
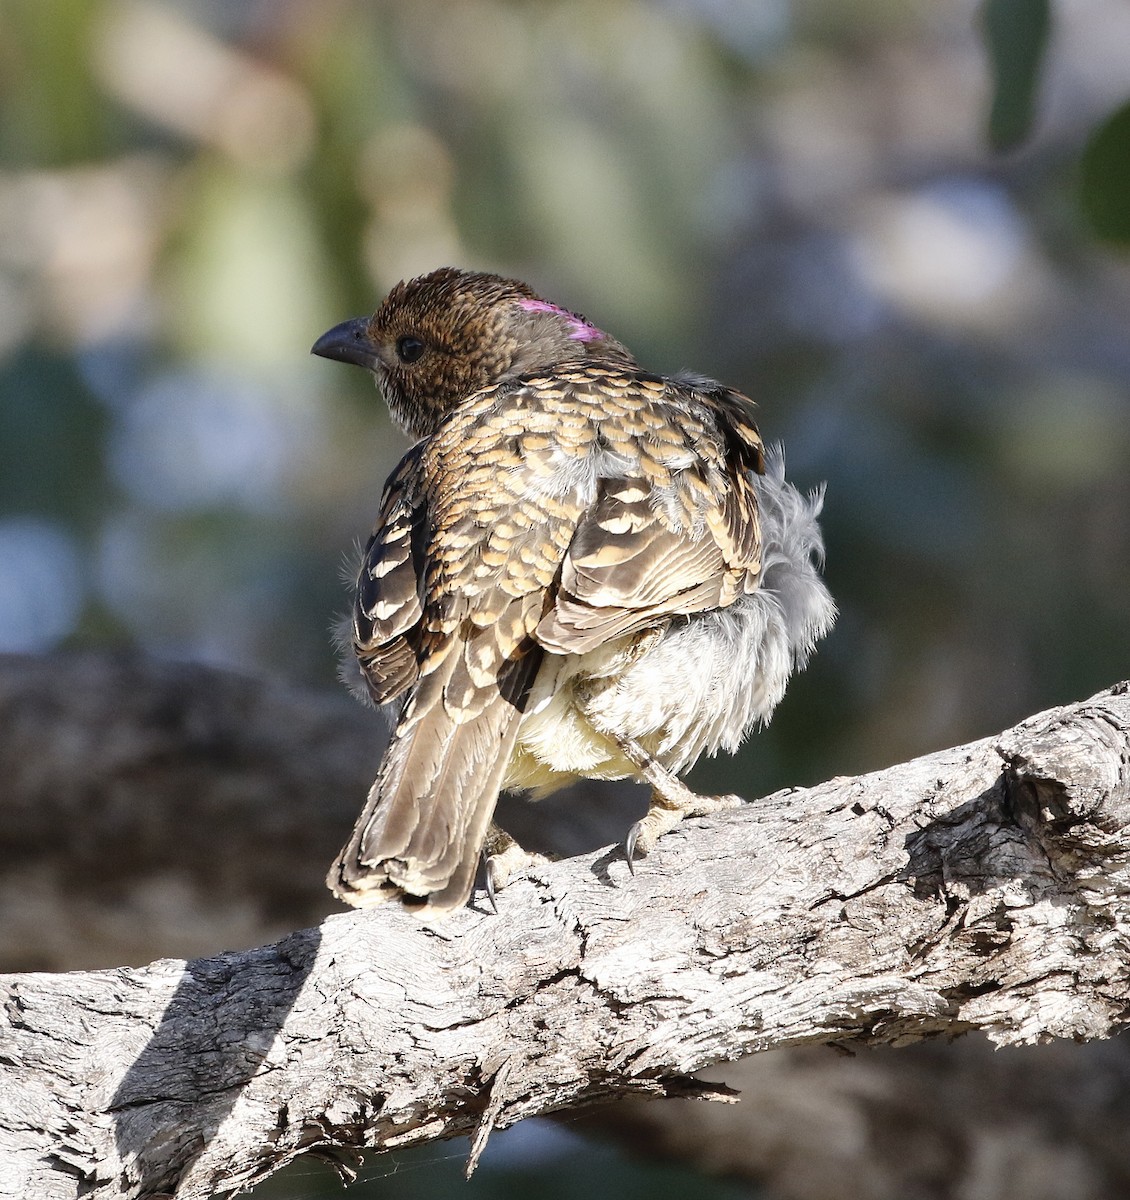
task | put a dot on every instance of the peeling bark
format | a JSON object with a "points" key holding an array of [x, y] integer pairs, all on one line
{"points": [[980, 888]]}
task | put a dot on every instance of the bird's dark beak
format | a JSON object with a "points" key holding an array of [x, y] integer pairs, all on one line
{"points": [[349, 342]]}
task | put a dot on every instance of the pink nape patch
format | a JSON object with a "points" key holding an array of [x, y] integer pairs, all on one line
{"points": [[582, 331]]}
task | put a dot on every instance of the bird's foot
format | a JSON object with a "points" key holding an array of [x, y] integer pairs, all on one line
{"points": [[503, 859], [666, 811]]}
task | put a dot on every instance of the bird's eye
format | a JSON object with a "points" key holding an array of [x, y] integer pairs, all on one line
{"points": [[409, 349]]}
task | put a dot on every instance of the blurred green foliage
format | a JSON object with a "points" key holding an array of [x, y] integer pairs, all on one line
{"points": [[1105, 178], [1016, 36]]}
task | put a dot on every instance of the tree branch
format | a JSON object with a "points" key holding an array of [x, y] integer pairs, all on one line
{"points": [[979, 888]]}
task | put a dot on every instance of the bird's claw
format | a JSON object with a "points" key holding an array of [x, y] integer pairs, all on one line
{"points": [[663, 817], [639, 843], [502, 860], [488, 882], [630, 847]]}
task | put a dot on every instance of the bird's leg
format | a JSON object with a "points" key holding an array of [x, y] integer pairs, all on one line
{"points": [[671, 801], [503, 858]]}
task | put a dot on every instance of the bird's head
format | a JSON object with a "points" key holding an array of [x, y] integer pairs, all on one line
{"points": [[439, 339]]}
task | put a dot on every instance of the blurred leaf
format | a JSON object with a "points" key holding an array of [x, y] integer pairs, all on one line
{"points": [[1016, 34], [52, 113], [51, 435], [249, 260], [1105, 179]]}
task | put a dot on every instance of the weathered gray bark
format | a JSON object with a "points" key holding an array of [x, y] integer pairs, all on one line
{"points": [[980, 888]]}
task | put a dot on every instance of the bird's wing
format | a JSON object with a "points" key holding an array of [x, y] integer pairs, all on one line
{"points": [[604, 500], [489, 553], [673, 528], [387, 609]]}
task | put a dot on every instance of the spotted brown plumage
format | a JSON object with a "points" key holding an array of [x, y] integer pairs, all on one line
{"points": [[569, 540]]}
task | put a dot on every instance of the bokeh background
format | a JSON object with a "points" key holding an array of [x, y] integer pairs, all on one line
{"points": [[800, 197]]}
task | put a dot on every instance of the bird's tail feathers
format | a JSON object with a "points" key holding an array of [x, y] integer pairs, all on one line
{"points": [[421, 832]]}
